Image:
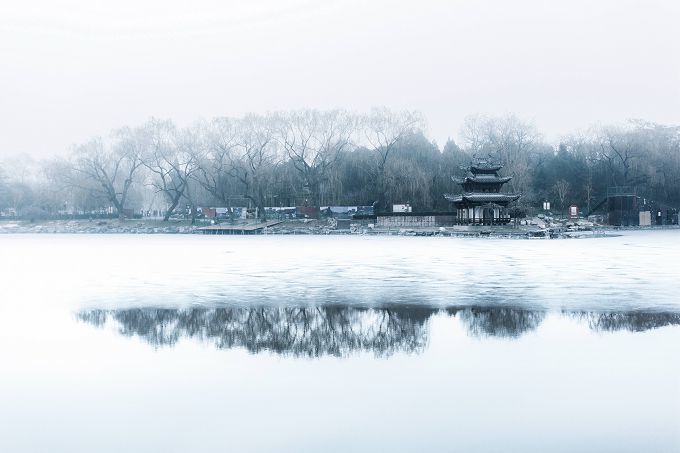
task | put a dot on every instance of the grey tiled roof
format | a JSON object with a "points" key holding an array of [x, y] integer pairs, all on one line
{"points": [[483, 197], [484, 178], [485, 165]]}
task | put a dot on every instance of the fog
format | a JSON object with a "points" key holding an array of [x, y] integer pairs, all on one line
{"points": [[75, 69]]}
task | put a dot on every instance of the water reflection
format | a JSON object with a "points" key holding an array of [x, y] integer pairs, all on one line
{"points": [[499, 322], [314, 331], [297, 331], [632, 321]]}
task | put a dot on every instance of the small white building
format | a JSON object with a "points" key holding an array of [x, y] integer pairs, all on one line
{"points": [[401, 208]]}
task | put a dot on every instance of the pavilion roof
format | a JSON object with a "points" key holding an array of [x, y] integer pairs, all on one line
{"points": [[483, 178], [485, 165], [476, 197]]}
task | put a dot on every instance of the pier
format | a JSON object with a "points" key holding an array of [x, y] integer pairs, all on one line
{"points": [[243, 228]]}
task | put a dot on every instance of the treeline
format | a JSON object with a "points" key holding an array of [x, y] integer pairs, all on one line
{"points": [[318, 158]]}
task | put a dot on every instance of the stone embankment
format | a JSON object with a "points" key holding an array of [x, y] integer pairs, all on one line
{"points": [[532, 229], [94, 227]]}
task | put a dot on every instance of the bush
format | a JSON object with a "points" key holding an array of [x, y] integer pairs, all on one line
{"points": [[33, 213]]}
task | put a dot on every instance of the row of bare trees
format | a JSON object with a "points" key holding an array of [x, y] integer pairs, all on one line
{"points": [[229, 159], [336, 158]]}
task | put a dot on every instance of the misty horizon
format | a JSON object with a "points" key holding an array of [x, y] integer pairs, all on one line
{"points": [[457, 136], [75, 71]]}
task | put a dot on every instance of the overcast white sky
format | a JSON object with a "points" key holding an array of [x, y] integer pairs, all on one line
{"points": [[70, 70]]}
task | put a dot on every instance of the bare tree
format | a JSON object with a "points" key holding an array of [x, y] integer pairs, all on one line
{"points": [[214, 160], [109, 169], [589, 191], [561, 189], [314, 141], [506, 138], [171, 159], [472, 133], [621, 148], [383, 131], [254, 158], [4, 189]]}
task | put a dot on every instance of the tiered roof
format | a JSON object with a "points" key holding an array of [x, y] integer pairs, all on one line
{"points": [[482, 185]]}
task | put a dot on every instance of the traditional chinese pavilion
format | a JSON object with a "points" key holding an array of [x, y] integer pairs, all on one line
{"points": [[482, 201]]}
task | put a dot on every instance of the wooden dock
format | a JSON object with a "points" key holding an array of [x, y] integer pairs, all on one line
{"points": [[243, 228]]}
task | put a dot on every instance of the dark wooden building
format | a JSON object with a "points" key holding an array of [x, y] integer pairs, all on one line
{"points": [[482, 201], [622, 206]]}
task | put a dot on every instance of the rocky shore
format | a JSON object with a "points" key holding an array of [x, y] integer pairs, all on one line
{"points": [[304, 227], [94, 227]]}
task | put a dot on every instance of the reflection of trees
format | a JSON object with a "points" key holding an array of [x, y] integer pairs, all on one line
{"points": [[298, 331], [507, 322], [633, 321], [340, 330], [504, 322]]}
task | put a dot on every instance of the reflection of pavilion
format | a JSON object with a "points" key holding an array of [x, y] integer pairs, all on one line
{"points": [[482, 201]]}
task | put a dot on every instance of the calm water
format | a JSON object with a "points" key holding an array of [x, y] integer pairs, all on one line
{"points": [[207, 343]]}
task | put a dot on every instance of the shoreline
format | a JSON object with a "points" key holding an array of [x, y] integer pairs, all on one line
{"points": [[316, 228]]}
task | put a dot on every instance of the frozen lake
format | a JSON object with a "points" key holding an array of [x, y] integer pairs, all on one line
{"points": [[289, 343]]}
